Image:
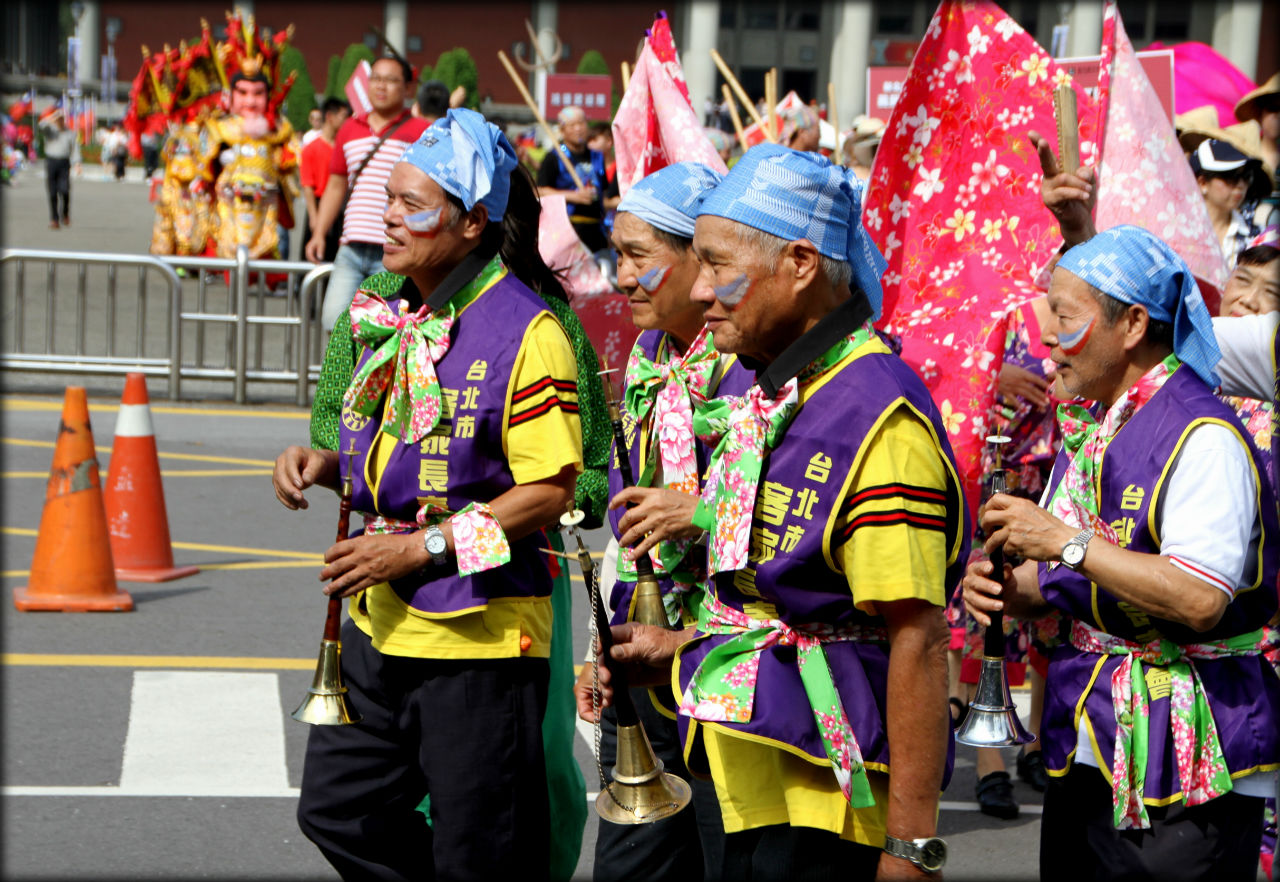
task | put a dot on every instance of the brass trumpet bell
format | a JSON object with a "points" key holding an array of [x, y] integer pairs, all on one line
{"points": [[641, 792], [992, 720], [648, 608], [326, 701]]}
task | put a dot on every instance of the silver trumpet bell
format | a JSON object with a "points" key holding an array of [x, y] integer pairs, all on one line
{"points": [[992, 720]]}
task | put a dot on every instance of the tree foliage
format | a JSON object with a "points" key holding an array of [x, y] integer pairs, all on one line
{"points": [[455, 67], [330, 90], [351, 57], [593, 63], [302, 97]]}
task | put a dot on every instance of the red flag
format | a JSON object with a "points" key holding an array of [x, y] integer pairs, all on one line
{"points": [[1144, 178], [954, 205], [656, 125]]}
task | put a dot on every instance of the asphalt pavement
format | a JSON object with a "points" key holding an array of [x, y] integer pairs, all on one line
{"points": [[157, 743]]}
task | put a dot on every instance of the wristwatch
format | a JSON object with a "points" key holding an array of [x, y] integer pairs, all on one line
{"points": [[1073, 552], [434, 542], [927, 854]]}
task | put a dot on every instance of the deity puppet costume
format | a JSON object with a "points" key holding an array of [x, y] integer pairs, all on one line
{"points": [[814, 520], [453, 402], [1173, 718]]}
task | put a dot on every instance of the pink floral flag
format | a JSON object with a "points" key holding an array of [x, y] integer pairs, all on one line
{"points": [[954, 205], [656, 124], [1145, 179], [564, 253]]}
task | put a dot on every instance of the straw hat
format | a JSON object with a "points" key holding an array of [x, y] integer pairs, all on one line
{"points": [[1201, 123], [864, 138], [1247, 107]]}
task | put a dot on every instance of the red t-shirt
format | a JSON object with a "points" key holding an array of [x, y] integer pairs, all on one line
{"points": [[314, 165], [363, 219]]}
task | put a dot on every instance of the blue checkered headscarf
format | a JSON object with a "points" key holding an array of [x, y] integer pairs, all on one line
{"points": [[1132, 265], [669, 198], [468, 157], [794, 195]]}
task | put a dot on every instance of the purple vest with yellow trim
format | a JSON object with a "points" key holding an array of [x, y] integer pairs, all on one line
{"points": [[1243, 692], [794, 530], [736, 381], [462, 460]]}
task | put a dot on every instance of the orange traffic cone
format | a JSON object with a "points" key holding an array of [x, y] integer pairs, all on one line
{"points": [[72, 569], [134, 497]]}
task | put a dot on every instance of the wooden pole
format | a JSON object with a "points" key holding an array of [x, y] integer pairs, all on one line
{"points": [[834, 119], [626, 76], [771, 102], [537, 44], [738, 90], [733, 114], [533, 105]]}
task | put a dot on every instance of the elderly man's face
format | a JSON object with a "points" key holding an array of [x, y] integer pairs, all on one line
{"points": [[734, 287], [1089, 352], [655, 277], [419, 234], [574, 134]]}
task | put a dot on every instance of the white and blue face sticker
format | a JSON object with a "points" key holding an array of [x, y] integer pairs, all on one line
{"points": [[1074, 343], [734, 292], [424, 224], [653, 279]]}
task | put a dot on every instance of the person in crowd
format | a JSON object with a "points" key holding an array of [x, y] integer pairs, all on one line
{"points": [[586, 204], [365, 148], [799, 129], [314, 170], [1144, 722], [723, 143], [432, 101], [1226, 176], [1263, 105], [59, 144], [813, 688], [861, 144], [445, 654], [315, 125], [672, 371]]}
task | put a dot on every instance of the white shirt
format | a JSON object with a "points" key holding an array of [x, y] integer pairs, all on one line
{"points": [[1246, 368], [310, 136]]}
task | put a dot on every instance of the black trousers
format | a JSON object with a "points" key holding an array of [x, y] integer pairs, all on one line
{"points": [[468, 732], [1217, 840], [57, 177], [797, 854], [689, 845]]}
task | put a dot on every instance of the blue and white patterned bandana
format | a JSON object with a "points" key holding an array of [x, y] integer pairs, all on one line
{"points": [[1132, 265], [669, 198], [469, 157], [794, 195]]}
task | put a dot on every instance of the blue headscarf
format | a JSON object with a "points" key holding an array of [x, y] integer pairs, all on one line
{"points": [[796, 195], [1130, 264], [467, 156], [669, 198]]}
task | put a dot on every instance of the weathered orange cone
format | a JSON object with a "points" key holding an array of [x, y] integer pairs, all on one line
{"points": [[136, 516], [72, 569]]}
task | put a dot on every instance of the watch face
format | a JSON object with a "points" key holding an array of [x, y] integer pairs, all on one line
{"points": [[1072, 554], [933, 854], [436, 543]]}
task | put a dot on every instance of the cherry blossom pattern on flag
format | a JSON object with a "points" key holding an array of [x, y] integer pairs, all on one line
{"points": [[563, 252], [954, 205], [1144, 178], [656, 125]]}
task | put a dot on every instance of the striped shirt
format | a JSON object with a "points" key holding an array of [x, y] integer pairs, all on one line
{"points": [[363, 219]]}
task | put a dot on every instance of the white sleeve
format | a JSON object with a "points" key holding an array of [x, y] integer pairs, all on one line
{"points": [[1208, 513], [1246, 367]]}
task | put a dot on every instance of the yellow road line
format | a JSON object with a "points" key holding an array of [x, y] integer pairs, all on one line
{"points": [[168, 473], [191, 457], [25, 404], [296, 556], [49, 659], [265, 565]]}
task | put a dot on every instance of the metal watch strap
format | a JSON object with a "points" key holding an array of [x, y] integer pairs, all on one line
{"points": [[1081, 541], [912, 850], [432, 531]]}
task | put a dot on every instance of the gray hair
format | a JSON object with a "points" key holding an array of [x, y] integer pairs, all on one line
{"points": [[768, 248], [1113, 309]]}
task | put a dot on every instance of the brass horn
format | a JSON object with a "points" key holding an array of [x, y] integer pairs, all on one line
{"points": [[641, 790], [992, 720], [325, 703]]}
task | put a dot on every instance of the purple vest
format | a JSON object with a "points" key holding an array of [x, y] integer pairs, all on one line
{"points": [[736, 381], [791, 579], [1243, 692], [462, 460]]}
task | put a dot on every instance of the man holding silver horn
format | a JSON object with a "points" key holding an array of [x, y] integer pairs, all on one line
{"points": [[1157, 535], [813, 688]]}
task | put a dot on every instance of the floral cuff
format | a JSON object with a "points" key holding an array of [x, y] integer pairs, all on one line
{"points": [[478, 540]]}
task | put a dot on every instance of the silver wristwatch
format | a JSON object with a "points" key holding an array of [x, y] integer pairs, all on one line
{"points": [[1073, 552], [927, 854], [434, 542]]}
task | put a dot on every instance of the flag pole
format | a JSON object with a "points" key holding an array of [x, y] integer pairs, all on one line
{"points": [[626, 76], [733, 114], [739, 91], [835, 119], [550, 133]]}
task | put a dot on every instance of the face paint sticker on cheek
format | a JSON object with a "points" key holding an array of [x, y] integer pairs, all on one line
{"points": [[1074, 342], [734, 292], [653, 279], [424, 224]]}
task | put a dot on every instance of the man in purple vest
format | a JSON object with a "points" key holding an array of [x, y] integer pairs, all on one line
{"points": [[1157, 535], [463, 412], [813, 688]]}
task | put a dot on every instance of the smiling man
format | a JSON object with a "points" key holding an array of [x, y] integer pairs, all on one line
{"points": [[1157, 536], [463, 409], [814, 688]]}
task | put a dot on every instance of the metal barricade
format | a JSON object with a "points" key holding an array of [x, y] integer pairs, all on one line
{"points": [[266, 339]]}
